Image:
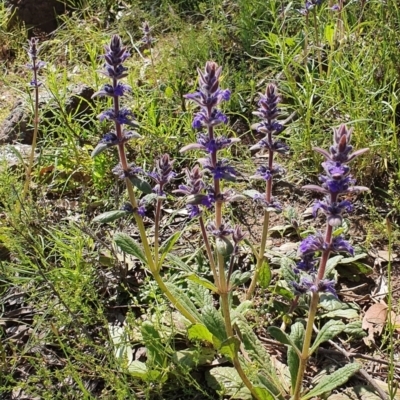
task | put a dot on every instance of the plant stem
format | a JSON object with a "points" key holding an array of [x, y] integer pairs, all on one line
{"points": [[264, 236], [156, 231], [312, 312], [34, 139], [208, 249], [317, 41], [260, 256], [306, 345]]}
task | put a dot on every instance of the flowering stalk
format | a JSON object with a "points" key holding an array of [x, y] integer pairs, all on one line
{"points": [[114, 57], [336, 182], [312, 5], [208, 97], [147, 41], [268, 111], [34, 66]]}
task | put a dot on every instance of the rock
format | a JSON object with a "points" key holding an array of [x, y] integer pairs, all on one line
{"points": [[18, 126], [38, 13], [11, 154]]}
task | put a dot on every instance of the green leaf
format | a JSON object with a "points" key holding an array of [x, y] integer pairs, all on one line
{"points": [[355, 330], [122, 348], [263, 393], [110, 216], [281, 288], [239, 278], [200, 332], [178, 263], [191, 358], [215, 323], [331, 329], [141, 184], [243, 307], [100, 148], [287, 269], [227, 382], [265, 275], [230, 347], [337, 309], [138, 369], [203, 282], [200, 295], [353, 270], [282, 337], [258, 354], [348, 314], [184, 300], [297, 336], [329, 33], [331, 264], [167, 246], [333, 381], [169, 92], [129, 246], [273, 388], [155, 349]]}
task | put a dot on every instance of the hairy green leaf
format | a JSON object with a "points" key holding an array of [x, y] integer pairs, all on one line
{"points": [[215, 323], [239, 278], [200, 332], [263, 393], [110, 216], [203, 282], [168, 245], [264, 277], [259, 355], [138, 369], [183, 300], [129, 246], [191, 358], [100, 148], [282, 337], [333, 381], [227, 382], [287, 269], [331, 264], [141, 184], [354, 329], [297, 336], [331, 329], [155, 348], [200, 295], [230, 347]]}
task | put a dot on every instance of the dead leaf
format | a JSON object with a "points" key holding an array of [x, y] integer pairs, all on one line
{"points": [[386, 256], [374, 320]]}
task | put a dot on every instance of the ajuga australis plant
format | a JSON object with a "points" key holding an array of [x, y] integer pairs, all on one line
{"points": [[35, 65], [207, 195], [268, 112], [315, 249], [115, 56]]}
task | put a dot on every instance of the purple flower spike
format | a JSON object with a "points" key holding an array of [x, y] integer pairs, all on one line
{"points": [[210, 145], [341, 245], [222, 170], [124, 117], [162, 174], [333, 211], [307, 263], [147, 39], [268, 104], [312, 244], [35, 64], [209, 94]]}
